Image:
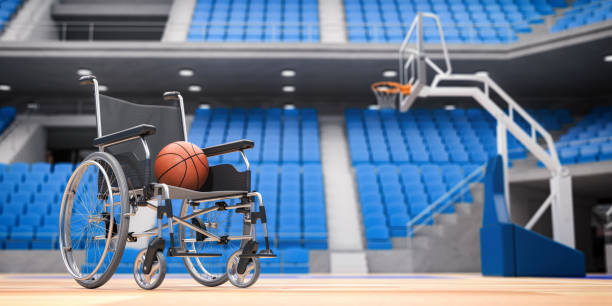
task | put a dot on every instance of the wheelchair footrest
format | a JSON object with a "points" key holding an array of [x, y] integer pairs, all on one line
{"points": [[183, 253], [262, 254]]}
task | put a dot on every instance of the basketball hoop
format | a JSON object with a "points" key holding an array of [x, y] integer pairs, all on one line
{"points": [[386, 93]]}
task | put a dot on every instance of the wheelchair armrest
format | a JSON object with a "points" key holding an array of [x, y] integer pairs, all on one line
{"points": [[228, 147], [136, 131]]}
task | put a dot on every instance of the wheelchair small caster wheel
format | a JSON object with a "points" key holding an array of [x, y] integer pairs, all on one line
{"points": [[155, 277], [250, 271]]}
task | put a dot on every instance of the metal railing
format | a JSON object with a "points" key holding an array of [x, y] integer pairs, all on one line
{"points": [[142, 30], [384, 33], [449, 198]]}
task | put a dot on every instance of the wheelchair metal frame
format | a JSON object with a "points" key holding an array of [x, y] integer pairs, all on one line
{"points": [[145, 194]]}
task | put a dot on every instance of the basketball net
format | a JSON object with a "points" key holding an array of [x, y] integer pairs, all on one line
{"points": [[386, 93]]}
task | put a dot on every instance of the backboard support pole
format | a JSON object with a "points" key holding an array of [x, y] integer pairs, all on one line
{"points": [[414, 64]]}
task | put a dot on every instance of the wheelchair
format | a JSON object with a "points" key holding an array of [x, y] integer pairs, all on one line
{"points": [[111, 185]]}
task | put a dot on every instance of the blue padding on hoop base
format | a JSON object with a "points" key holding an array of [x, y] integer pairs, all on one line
{"points": [[510, 250], [497, 250], [537, 255]]}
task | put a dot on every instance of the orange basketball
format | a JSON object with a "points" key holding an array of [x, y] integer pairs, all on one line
{"points": [[181, 164]]}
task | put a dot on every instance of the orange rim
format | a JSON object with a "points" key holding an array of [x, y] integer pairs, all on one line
{"points": [[391, 88]]}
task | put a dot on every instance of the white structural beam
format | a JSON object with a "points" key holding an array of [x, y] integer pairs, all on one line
{"points": [[560, 182], [413, 65]]}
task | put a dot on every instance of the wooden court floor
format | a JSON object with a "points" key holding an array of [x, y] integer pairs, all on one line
{"points": [[314, 290]]}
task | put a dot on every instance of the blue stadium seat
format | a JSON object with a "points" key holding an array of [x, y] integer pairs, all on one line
{"points": [[20, 238], [295, 261], [378, 238], [41, 167], [588, 153], [63, 168], [14, 208]]}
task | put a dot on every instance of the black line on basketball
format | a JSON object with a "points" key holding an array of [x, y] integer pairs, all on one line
{"points": [[159, 178], [169, 153], [197, 154], [184, 174], [194, 165]]}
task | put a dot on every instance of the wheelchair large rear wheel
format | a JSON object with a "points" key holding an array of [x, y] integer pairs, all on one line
{"points": [[210, 271], [93, 220]]}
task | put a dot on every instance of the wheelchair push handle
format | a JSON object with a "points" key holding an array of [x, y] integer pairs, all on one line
{"points": [[171, 95], [87, 79]]}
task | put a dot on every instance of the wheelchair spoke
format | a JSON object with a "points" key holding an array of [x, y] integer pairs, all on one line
{"points": [[89, 211], [209, 271]]}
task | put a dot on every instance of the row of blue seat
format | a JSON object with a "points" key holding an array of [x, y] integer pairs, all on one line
{"points": [[583, 13], [288, 135], [590, 140], [41, 167], [255, 21], [384, 136], [459, 34], [459, 136], [305, 33], [296, 217], [474, 22]]}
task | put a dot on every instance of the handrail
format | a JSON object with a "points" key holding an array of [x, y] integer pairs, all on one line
{"points": [[452, 194]]}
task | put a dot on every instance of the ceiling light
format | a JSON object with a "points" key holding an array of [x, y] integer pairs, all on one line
{"points": [[289, 106], [5, 87], [449, 107], [389, 73], [84, 72], [608, 58], [288, 73], [289, 88], [186, 72], [195, 88], [374, 106], [204, 106], [102, 88]]}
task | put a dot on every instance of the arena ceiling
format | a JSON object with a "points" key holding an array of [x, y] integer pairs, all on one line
{"points": [[571, 65]]}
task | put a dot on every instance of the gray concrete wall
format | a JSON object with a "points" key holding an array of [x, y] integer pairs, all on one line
{"points": [[31, 262], [33, 22], [26, 142], [525, 201], [179, 19]]}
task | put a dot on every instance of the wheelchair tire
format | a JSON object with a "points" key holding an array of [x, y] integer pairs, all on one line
{"points": [[245, 279], [158, 271], [208, 271], [93, 254]]}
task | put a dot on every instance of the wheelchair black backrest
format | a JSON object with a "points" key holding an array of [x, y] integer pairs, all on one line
{"points": [[117, 115]]}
